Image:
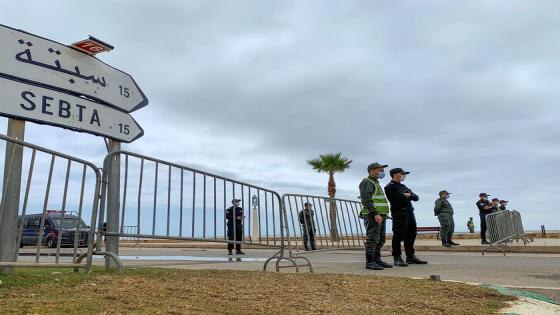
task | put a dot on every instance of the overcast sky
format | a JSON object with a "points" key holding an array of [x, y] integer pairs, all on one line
{"points": [[462, 94]]}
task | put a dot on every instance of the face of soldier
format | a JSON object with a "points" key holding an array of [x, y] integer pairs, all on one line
{"points": [[236, 204], [377, 173], [495, 203], [484, 198]]}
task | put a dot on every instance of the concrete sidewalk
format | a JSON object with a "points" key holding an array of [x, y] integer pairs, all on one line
{"points": [[538, 246]]}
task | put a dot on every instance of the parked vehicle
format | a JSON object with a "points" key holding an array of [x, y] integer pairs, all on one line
{"points": [[52, 228]]}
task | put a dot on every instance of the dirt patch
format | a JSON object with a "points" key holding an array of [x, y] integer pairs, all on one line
{"points": [[169, 291]]}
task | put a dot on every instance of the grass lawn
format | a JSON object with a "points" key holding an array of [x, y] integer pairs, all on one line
{"points": [[172, 291]]}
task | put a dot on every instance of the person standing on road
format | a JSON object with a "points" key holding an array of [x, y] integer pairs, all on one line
{"points": [[495, 205], [305, 217], [484, 207], [503, 205], [444, 211], [234, 217], [374, 212], [470, 225], [404, 222]]}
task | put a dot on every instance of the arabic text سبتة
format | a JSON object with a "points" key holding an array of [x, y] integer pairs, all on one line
{"points": [[26, 57]]}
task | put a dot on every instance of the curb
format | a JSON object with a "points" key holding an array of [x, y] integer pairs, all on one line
{"points": [[527, 302], [425, 248]]}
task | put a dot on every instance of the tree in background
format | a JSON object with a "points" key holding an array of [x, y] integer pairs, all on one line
{"points": [[331, 164]]}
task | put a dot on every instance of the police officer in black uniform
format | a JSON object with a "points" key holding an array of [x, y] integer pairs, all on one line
{"points": [[484, 207], [404, 221], [305, 218], [234, 217]]}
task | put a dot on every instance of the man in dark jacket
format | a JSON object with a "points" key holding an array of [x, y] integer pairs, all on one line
{"points": [[503, 205], [234, 217], [305, 218], [404, 221], [444, 211], [484, 207]]}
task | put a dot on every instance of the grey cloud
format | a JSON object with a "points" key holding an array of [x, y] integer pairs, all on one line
{"points": [[461, 94]]}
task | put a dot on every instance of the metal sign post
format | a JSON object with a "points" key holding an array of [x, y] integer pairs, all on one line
{"points": [[47, 82], [9, 207], [113, 204]]}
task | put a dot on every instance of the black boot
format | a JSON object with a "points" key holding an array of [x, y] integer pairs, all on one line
{"points": [[313, 247], [450, 242], [445, 243], [484, 242], [415, 260], [377, 258], [399, 262], [371, 264]]}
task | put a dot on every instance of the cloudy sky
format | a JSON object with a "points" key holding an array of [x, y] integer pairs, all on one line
{"points": [[462, 94]]}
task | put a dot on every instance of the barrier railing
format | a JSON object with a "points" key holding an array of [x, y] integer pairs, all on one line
{"points": [[130, 229], [518, 228], [169, 201], [334, 223], [503, 227], [53, 208]]}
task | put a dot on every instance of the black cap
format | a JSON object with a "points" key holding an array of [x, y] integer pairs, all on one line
{"points": [[483, 195], [397, 170], [234, 200], [307, 204], [444, 192], [502, 201], [375, 165], [495, 199]]}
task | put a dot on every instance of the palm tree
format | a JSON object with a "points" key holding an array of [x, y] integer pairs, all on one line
{"points": [[331, 164]]}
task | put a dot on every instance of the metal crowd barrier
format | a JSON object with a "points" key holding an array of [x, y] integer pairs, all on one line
{"points": [[130, 229], [503, 227], [56, 189], [169, 201], [518, 227], [335, 222]]}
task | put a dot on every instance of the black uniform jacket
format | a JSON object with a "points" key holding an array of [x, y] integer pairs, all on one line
{"points": [[484, 203], [399, 202], [238, 213]]}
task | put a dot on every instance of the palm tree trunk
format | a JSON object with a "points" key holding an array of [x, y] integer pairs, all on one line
{"points": [[332, 210]]}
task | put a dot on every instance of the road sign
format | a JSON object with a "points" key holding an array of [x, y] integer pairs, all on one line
{"points": [[92, 46], [45, 106], [28, 57]]}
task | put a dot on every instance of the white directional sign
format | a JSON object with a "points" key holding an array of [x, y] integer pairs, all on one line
{"points": [[28, 57], [45, 106]]}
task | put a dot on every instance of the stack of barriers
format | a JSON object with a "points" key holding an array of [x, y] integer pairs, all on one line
{"points": [[504, 227]]}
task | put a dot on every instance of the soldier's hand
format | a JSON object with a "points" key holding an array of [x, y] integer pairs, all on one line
{"points": [[407, 194], [378, 219]]}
